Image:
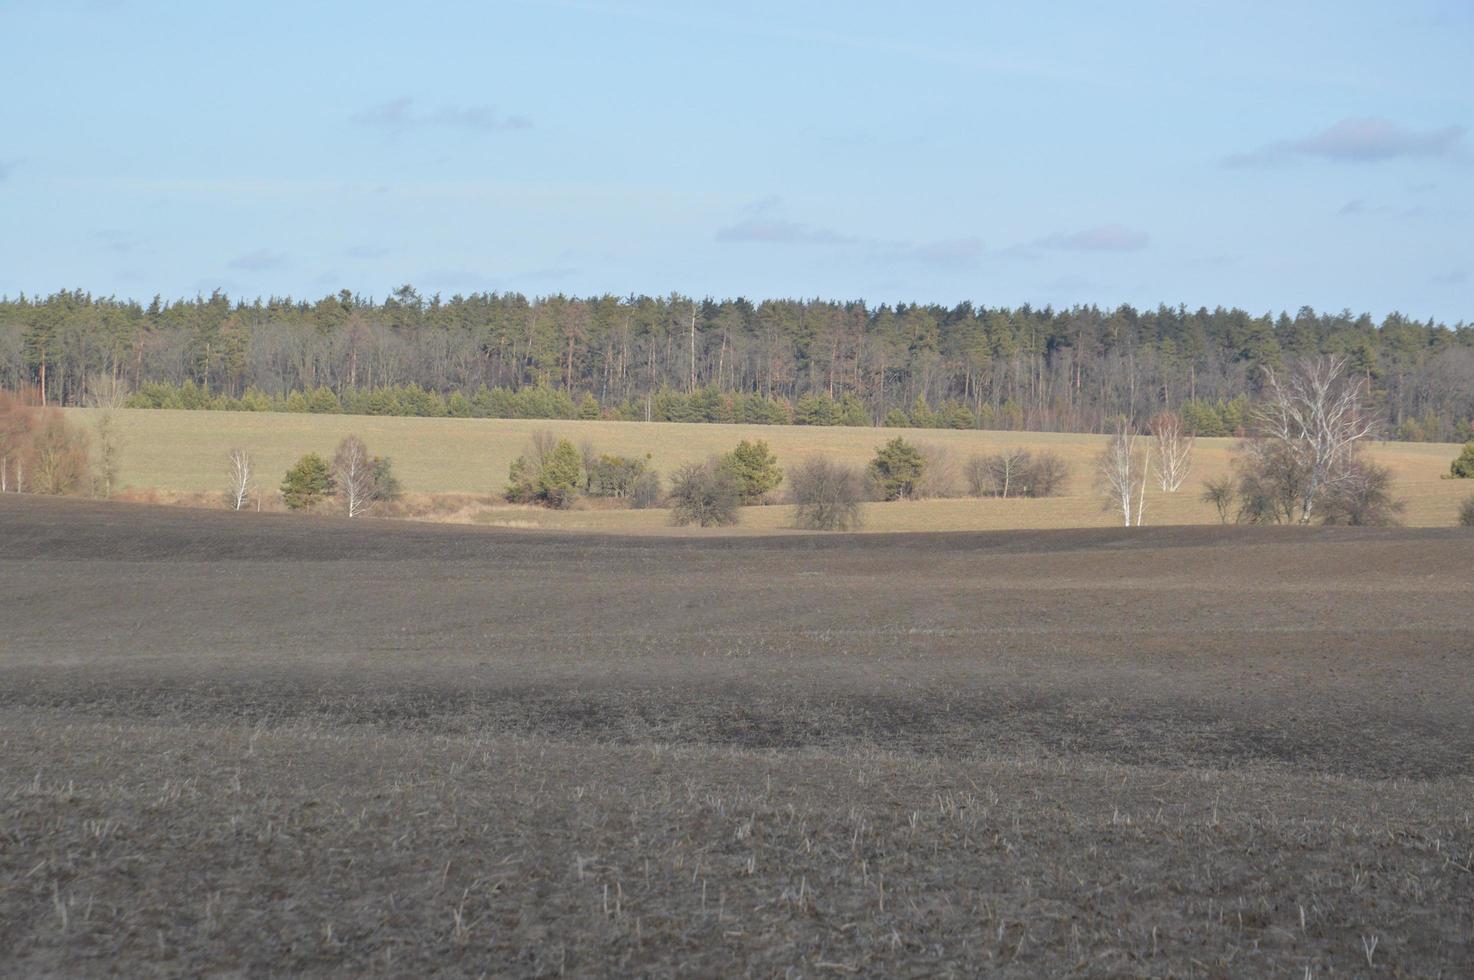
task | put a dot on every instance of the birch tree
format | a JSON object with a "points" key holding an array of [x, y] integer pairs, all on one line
{"points": [[242, 479], [1174, 449], [1314, 412], [1006, 467], [1121, 473], [355, 476]]}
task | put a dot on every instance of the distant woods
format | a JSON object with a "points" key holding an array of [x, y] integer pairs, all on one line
{"points": [[679, 359]]}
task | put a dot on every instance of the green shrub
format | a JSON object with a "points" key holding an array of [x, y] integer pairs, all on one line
{"points": [[549, 473], [1466, 512], [614, 476]]}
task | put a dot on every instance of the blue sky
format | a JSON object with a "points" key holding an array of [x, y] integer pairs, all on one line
{"points": [[1265, 155]]}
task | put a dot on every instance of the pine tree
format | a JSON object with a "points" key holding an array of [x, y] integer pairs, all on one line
{"points": [[897, 469], [308, 483], [755, 468], [1463, 467]]}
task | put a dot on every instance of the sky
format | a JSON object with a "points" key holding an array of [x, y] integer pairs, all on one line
{"points": [[1265, 155]]}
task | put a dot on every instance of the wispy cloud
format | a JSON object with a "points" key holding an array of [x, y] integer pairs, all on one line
{"points": [[550, 273], [115, 240], [950, 253], [1455, 278], [1367, 139], [1358, 207], [259, 260], [8, 167], [1101, 238], [764, 204], [778, 231], [1073, 284], [404, 114]]}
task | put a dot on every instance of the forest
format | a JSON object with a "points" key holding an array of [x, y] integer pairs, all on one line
{"points": [[682, 359]]}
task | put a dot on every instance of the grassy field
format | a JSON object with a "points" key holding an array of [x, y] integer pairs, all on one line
{"points": [[185, 453], [244, 745]]}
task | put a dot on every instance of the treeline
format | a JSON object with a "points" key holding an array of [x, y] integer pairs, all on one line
{"points": [[681, 359]]}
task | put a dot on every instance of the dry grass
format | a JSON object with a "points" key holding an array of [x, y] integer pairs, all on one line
{"points": [[181, 456]]}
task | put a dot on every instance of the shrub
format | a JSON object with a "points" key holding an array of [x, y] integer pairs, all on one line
{"points": [[704, 493], [386, 484], [897, 419], [1001, 474], [613, 476], [827, 495], [755, 468], [1016, 473], [897, 469], [1270, 484], [939, 475], [978, 475], [646, 491], [1463, 467], [57, 456], [1362, 497], [1047, 476], [1466, 512], [308, 483], [1219, 493], [549, 473]]}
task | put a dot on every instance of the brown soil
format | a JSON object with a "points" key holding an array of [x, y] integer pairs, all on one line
{"points": [[266, 743]]}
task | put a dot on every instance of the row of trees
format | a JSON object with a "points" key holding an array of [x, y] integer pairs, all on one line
{"points": [[681, 358], [554, 473], [353, 479]]}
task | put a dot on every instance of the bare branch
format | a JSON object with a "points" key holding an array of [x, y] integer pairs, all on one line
{"points": [[1174, 446], [1315, 413], [1121, 472], [242, 479]]}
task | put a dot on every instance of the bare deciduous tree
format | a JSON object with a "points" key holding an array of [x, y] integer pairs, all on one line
{"points": [[107, 394], [354, 473], [1174, 446], [827, 495], [58, 455], [1121, 472], [17, 419], [1315, 413], [1005, 467], [242, 479]]}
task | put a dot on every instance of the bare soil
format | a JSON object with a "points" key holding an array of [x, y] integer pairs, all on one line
{"points": [[265, 744]]}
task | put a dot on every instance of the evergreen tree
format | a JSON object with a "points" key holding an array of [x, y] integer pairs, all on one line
{"points": [[1463, 467], [308, 483], [897, 469], [755, 468]]}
